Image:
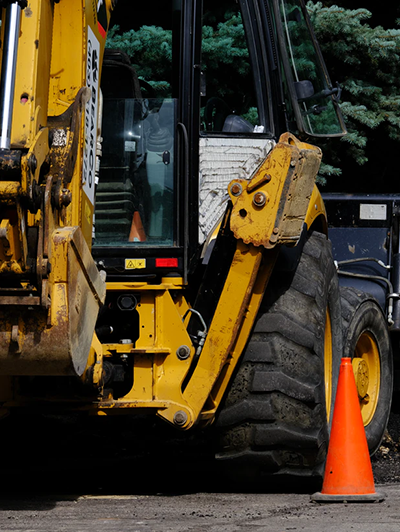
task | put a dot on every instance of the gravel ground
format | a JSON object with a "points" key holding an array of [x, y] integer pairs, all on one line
{"points": [[197, 512], [386, 462], [100, 479]]}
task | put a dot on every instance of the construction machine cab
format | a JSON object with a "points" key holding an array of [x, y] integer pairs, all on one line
{"points": [[153, 185]]}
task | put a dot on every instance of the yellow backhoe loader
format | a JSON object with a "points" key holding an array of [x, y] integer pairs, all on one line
{"points": [[163, 245]]}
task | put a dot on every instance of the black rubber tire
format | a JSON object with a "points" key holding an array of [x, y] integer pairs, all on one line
{"points": [[361, 313], [274, 420]]}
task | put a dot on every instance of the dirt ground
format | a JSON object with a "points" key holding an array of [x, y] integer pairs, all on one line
{"points": [[70, 482], [386, 462]]}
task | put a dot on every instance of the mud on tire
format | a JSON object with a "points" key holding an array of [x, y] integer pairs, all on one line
{"points": [[274, 417]]}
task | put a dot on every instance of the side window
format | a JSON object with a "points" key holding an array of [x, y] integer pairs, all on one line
{"points": [[228, 102], [314, 99], [136, 194]]}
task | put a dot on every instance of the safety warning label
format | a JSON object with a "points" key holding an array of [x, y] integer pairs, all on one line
{"points": [[135, 264]]}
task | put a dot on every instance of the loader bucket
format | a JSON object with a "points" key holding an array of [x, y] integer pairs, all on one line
{"points": [[54, 338]]}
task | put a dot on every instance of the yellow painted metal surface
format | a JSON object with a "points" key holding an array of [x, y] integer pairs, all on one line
{"points": [[9, 191], [158, 370], [367, 372], [13, 245], [47, 330], [226, 323], [328, 364], [39, 150], [66, 76], [163, 354], [167, 283], [32, 75], [270, 209], [70, 26], [159, 374], [10, 249], [82, 209], [316, 211], [35, 340], [210, 408]]}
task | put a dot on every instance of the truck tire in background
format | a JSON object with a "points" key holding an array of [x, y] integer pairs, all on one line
{"points": [[276, 415], [366, 341]]}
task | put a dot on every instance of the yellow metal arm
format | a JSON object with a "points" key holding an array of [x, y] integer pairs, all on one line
{"points": [[186, 391]]}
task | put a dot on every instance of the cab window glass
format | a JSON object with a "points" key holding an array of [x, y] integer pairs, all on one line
{"points": [[312, 86], [136, 199], [228, 102]]}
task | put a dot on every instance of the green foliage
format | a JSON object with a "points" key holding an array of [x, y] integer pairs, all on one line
{"points": [[364, 59], [225, 60], [225, 57], [150, 51], [366, 62]]}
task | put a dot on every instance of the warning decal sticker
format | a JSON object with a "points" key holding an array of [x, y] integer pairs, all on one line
{"points": [[135, 264]]}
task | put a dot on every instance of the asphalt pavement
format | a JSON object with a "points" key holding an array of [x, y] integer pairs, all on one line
{"points": [[196, 512], [76, 479]]}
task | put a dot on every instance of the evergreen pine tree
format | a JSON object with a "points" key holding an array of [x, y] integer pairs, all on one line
{"points": [[364, 59], [366, 62]]}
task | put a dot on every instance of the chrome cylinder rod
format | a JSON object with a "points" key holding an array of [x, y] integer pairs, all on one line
{"points": [[7, 87]]}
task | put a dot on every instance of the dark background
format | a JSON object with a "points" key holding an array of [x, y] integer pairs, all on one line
{"points": [[384, 13]]}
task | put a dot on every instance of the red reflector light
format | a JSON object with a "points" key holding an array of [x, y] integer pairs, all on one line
{"points": [[166, 263]]}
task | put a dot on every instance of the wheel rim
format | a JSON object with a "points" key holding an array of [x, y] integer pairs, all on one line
{"points": [[328, 364], [367, 373]]}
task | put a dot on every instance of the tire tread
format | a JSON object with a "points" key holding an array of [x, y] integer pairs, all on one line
{"points": [[273, 420]]}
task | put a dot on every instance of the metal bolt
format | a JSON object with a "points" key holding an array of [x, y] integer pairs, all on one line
{"points": [[46, 268], [259, 199], [180, 418], [183, 352], [14, 333], [292, 163], [65, 197], [236, 189], [276, 230]]}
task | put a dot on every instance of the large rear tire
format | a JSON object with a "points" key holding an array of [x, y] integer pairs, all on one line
{"points": [[367, 342], [276, 415]]}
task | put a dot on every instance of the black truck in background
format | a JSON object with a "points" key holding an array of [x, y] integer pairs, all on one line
{"points": [[364, 230]]}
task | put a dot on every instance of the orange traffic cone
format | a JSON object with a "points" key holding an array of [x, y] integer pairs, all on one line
{"points": [[348, 471], [137, 233]]}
